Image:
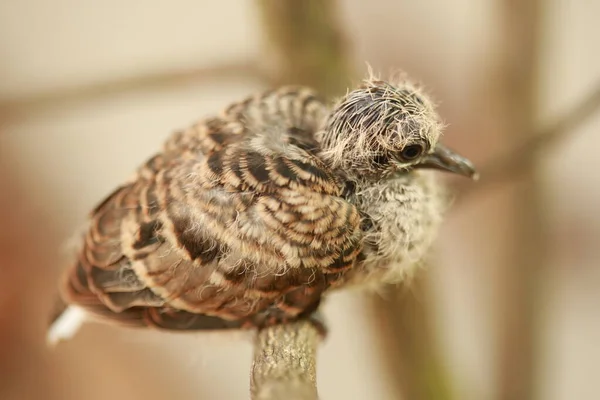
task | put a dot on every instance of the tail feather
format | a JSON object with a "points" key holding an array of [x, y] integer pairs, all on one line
{"points": [[65, 325]]}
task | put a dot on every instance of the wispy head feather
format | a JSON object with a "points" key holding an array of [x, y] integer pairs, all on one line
{"points": [[370, 126]]}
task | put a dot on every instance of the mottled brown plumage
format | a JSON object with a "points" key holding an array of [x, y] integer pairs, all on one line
{"points": [[246, 219]]}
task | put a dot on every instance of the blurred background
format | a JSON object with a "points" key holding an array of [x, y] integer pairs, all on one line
{"points": [[507, 307]]}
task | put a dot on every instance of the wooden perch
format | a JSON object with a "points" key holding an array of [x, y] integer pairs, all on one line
{"points": [[284, 365], [306, 46]]}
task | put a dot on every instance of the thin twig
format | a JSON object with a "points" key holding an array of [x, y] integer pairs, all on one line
{"points": [[284, 365], [10, 108], [509, 165]]}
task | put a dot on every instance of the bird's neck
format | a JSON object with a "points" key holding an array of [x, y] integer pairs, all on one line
{"points": [[401, 217]]}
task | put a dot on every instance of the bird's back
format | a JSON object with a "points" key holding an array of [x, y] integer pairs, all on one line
{"points": [[236, 223]]}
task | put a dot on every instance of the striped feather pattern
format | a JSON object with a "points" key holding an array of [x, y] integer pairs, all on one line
{"points": [[237, 223]]}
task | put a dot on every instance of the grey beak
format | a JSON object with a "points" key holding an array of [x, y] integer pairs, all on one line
{"points": [[446, 160]]}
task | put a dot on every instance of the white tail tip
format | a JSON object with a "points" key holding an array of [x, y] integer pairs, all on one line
{"points": [[66, 325]]}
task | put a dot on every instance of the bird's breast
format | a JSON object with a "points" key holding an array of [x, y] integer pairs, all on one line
{"points": [[404, 215]]}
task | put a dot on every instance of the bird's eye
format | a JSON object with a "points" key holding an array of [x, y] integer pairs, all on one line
{"points": [[411, 152]]}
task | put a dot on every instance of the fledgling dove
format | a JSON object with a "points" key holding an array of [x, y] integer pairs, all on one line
{"points": [[248, 218]]}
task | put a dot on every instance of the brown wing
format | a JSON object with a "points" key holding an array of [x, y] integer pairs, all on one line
{"points": [[236, 224]]}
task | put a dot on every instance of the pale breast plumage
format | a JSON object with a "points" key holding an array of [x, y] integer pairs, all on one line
{"points": [[236, 223]]}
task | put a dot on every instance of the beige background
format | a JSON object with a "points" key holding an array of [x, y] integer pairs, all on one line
{"points": [[67, 154]]}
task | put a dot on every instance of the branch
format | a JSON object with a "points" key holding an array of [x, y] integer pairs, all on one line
{"points": [[13, 107], [306, 44], [284, 365], [508, 166], [407, 343]]}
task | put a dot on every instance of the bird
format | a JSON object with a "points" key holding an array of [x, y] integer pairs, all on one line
{"points": [[250, 217]]}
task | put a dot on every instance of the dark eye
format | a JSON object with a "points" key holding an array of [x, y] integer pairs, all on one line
{"points": [[411, 152]]}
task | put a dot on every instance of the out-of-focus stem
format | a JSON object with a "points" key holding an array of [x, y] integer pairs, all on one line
{"points": [[519, 158], [11, 108], [517, 88], [306, 45], [409, 350]]}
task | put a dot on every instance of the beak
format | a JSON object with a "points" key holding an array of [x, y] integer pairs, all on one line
{"points": [[446, 160]]}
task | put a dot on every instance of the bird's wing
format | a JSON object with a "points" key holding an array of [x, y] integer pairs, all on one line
{"points": [[235, 224]]}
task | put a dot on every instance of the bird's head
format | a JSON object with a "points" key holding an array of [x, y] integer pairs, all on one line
{"points": [[381, 129]]}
